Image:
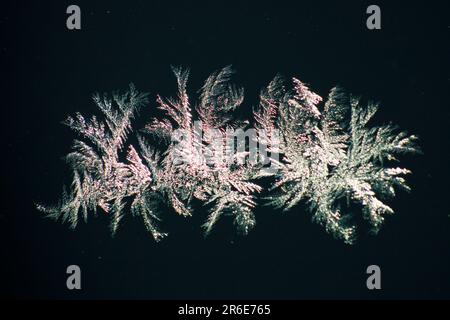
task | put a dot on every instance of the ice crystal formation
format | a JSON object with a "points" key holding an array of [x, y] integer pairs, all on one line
{"points": [[331, 159], [100, 179], [195, 166]]}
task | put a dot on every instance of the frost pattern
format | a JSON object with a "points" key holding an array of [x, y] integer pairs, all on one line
{"points": [[100, 179], [194, 164], [331, 158]]}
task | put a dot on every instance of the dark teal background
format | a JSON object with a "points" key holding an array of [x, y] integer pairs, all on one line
{"points": [[49, 72]]}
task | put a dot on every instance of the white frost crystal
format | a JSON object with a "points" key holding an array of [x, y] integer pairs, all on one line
{"points": [[330, 157], [333, 155]]}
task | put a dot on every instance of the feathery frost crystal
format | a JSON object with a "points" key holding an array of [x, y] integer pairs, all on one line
{"points": [[330, 157]]}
